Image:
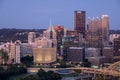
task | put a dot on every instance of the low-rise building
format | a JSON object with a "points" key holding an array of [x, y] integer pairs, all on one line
{"points": [[44, 55], [75, 54]]}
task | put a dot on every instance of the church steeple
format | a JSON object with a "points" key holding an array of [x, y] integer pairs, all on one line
{"points": [[51, 29]]}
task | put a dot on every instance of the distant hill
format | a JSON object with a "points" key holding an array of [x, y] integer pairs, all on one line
{"points": [[114, 31], [6, 35]]}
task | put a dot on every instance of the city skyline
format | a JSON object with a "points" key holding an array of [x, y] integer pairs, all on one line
{"points": [[37, 14]]}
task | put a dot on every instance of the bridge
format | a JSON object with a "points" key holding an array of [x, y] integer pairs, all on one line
{"points": [[110, 71], [114, 66]]}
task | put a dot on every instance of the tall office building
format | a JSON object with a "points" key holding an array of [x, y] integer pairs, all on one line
{"points": [[105, 29], [59, 35], [98, 31], [79, 21], [93, 34], [31, 37]]}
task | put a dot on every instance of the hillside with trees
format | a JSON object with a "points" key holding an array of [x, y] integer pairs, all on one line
{"points": [[6, 35]]}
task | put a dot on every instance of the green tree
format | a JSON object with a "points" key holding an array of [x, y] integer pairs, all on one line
{"points": [[4, 56], [86, 63], [62, 64], [50, 75], [54, 76], [27, 60], [30, 77], [42, 74], [78, 71], [16, 69]]}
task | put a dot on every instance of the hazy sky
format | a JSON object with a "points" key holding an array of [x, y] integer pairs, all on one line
{"points": [[36, 14]]}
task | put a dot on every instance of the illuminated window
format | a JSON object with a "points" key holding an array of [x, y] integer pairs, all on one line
{"points": [[47, 57], [39, 58]]}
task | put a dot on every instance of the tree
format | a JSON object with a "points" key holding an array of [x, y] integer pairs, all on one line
{"points": [[12, 61], [30, 77], [78, 71], [62, 64], [54, 76], [86, 63], [16, 69], [4, 56], [2, 74], [42, 74], [27, 60], [50, 75]]}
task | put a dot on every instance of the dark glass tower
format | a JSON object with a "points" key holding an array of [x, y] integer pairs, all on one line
{"points": [[79, 21]]}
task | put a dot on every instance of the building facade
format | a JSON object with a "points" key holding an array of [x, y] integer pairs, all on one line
{"points": [[75, 54], [31, 37], [105, 29], [97, 34], [17, 51], [108, 54], [93, 33], [44, 55], [59, 35], [117, 49], [79, 21]]}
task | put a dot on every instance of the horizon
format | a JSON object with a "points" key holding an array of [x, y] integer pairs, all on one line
{"points": [[43, 28]]}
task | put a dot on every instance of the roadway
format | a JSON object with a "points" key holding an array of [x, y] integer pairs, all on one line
{"points": [[84, 70]]}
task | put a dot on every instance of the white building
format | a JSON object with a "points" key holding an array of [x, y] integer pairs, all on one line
{"points": [[47, 39], [17, 51], [31, 37], [113, 36], [50, 32], [13, 50]]}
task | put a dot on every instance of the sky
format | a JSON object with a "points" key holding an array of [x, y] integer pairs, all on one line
{"points": [[36, 14]]}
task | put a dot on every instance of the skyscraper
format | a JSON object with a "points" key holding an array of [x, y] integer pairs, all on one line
{"points": [[93, 34], [97, 34], [79, 21], [59, 35], [105, 29]]}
